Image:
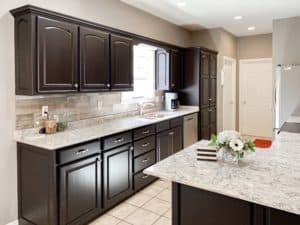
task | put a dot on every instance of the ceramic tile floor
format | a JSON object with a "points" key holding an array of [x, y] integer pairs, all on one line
{"points": [[151, 206]]}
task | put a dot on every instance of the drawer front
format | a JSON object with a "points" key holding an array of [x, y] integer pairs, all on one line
{"points": [[78, 152], [162, 126], [176, 122], [144, 161], [141, 180], [117, 140], [144, 145], [143, 132]]}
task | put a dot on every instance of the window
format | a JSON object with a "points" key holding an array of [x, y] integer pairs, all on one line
{"points": [[144, 74]]}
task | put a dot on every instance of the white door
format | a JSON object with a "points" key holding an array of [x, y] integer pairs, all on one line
{"points": [[228, 83], [256, 97]]}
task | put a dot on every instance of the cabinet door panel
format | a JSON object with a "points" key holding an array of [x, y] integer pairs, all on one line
{"points": [[213, 79], [94, 58], [204, 126], [163, 145], [204, 92], [121, 63], [177, 137], [117, 175], [80, 191], [57, 56], [204, 64], [176, 69], [162, 69]]}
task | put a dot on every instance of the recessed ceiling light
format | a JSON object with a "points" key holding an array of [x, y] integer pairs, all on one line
{"points": [[238, 17], [181, 4], [251, 28]]}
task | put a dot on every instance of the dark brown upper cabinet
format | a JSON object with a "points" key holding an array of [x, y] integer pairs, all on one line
{"points": [[168, 69], [56, 56], [176, 70], [162, 74], [94, 60], [121, 63]]}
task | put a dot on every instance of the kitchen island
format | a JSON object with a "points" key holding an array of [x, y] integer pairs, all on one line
{"points": [[264, 189]]}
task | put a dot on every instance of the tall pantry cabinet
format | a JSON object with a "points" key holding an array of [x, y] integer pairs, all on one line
{"points": [[199, 87]]}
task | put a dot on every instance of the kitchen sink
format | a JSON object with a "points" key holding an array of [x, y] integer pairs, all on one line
{"points": [[154, 115]]}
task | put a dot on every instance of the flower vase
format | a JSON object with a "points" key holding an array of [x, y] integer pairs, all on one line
{"points": [[228, 156]]}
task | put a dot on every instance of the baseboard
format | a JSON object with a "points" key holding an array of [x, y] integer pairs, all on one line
{"points": [[16, 222]]}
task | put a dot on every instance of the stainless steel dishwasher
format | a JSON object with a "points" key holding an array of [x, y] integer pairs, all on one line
{"points": [[190, 129]]}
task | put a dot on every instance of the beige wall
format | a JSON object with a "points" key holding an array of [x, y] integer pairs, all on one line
{"points": [[108, 12], [257, 46], [225, 43]]}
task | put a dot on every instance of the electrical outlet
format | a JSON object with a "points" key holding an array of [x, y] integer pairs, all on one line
{"points": [[44, 111], [100, 105]]}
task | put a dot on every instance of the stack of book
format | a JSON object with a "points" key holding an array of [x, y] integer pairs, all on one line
{"points": [[207, 153]]}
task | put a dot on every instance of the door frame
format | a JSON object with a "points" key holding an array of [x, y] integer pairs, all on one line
{"points": [[235, 91], [240, 82]]}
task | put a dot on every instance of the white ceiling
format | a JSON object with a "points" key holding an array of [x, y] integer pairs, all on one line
{"points": [[199, 14]]}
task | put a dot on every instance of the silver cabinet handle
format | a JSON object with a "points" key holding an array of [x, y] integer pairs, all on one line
{"points": [[145, 160], [145, 177], [119, 140], [173, 85], [145, 144], [76, 85], [146, 132], [171, 133], [131, 148], [108, 85], [82, 151], [209, 99]]}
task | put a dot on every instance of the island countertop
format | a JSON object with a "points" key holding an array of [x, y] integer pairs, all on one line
{"points": [[268, 177], [76, 136]]}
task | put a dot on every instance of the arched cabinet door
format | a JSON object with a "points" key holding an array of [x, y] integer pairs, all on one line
{"points": [[121, 63], [94, 60], [57, 50]]}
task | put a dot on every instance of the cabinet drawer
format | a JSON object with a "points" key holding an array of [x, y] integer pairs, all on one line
{"points": [[176, 122], [143, 132], [165, 125], [144, 145], [78, 152], [144, 161], [116, 140], [141, 180]]}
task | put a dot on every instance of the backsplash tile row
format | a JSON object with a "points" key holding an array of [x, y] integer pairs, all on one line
{"points": [[78, 110]]}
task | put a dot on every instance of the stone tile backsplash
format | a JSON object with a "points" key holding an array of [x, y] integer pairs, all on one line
{"points": [[78, 110]]}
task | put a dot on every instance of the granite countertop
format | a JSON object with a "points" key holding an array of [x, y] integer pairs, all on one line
{"points": [[269, 177], [76, 136]]}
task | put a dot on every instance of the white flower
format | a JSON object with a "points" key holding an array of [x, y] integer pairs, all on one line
{"points": [[236, 145], [227, 135]]}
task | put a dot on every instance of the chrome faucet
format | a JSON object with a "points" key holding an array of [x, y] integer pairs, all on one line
{"points": [[143, 105]]}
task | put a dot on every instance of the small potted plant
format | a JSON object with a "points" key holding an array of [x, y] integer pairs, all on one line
{"points": [[231, 146]]}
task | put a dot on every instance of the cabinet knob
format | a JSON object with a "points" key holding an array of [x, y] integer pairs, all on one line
{"points": [[108, 85], [171, 133], [75, 85], [173, 85], [210, 99], [131, 148]]}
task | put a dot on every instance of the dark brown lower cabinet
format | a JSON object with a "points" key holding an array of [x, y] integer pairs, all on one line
{"points": [[193, 206], [117, 169], [169, 142], [80, 191]]}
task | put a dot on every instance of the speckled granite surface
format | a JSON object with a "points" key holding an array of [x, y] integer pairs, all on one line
{"points": [[71, 137], [269, 177]]}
